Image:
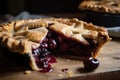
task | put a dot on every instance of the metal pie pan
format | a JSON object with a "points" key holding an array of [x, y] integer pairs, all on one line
{"points": [[102, 19]]}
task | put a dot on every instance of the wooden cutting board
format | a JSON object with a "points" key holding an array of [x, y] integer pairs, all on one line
{"points": [[109, 68]]}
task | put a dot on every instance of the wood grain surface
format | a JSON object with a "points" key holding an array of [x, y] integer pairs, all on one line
{"points": [[109, 68]]}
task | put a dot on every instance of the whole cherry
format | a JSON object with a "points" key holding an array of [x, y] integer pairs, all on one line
{"points": [[90, 63]]}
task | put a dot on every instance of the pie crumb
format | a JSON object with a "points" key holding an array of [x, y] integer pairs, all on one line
{"points": [[27, 72], [69, 73], [68, 60], [60, 75]]}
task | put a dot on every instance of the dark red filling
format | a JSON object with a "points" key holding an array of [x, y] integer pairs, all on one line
{"points": [[55, 43], [42, 53]]}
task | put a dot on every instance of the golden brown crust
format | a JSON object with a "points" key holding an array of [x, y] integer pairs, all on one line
{"points": [[105, 6], [20, 36]]}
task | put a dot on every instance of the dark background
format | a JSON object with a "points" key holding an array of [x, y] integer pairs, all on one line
{"points": [[38, 6]]}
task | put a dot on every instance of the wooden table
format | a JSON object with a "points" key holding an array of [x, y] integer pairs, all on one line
{"points": [[109, 67]]}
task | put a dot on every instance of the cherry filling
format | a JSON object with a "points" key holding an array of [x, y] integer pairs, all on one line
{"points": [[42, 55], [54, 43]]}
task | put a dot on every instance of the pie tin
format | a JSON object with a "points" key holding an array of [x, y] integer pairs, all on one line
{"points": [[102, 19]]}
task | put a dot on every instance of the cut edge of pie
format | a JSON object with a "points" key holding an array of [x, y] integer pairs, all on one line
{"points": [[28, 36]]}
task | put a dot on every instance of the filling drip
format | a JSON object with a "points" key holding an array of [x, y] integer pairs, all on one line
{"points": [[55, 43]]}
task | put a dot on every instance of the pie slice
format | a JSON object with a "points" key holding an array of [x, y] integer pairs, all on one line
{"points": [[104, 6], [35, 40]]}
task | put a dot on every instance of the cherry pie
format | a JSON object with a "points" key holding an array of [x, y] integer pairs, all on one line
{"points": [[39, 39], [104, 6]]}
